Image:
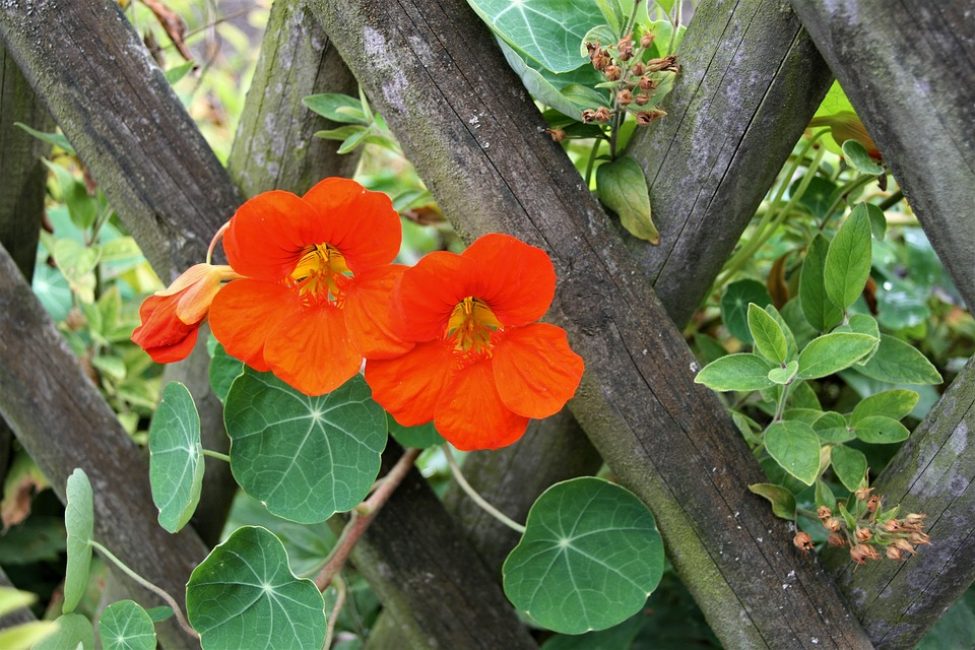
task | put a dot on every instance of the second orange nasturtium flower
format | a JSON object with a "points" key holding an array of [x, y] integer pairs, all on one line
{"points": [[318, 275], [482, 365]]}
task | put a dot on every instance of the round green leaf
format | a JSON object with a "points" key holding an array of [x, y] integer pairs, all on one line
{"points": [[734, 306], [224, 369], [419, 437], [305, 458], [175, 457], [79, 521], [74, 631], [880, 430], [742, 371], [245, 595], [849, 465], [848, 259], [897, 362], [126, 626], [830, 353], [795, 447], [588, 559]]}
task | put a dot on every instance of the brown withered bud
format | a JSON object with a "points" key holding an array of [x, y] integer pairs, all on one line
{"points": [[558, 135], [836, 540], [625, 47], [641, 99], [637, 69], [893, 526], [833, 524], [914, 519], [863, 534], [603, 114], [588, 115], [873, 503], [862, 553], [646, 83], [823, 512], [918, 538], [665, 64], [644, 118], [893, 553], [646, 40], [863, 493], [612, 72], [603, 59], [624, 97], [903, 545], [803, 542]]}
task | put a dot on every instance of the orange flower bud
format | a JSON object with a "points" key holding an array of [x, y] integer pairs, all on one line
{"points": [[637, 69], [624, 97], [803, 542], [558, 135], [642, 99], [602, 114], [612, 72], [823, 512], [873, 503], [893, 553], [861, 553], [833, 524], [863, 534], [836, 540]]}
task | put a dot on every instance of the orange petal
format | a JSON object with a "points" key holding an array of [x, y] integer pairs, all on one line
{"points": [[470, 414], [266, 236], [535, 370], [161, 333], [516, 280], [361, 224], [244, 312], [410, 385], [427, 294], [368, 314], [310, 350]]}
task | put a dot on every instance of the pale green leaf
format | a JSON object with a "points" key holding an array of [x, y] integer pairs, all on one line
{"points": [[79, 521], [891, 403], [770, 340], [73, 631], [175, 457], [880, 430], [897, 362], [177, 72], [124, 625], [795, 447], [742, 372], [622, 187], [337, 107], [27, 635], [830, 353]]}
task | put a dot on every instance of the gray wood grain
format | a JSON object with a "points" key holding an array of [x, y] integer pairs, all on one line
{"points": [[434, 72]]}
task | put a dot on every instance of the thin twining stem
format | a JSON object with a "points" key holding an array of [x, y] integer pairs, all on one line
{"points": [[477, 498], [340, 590], [159, 591], [362, 517]]}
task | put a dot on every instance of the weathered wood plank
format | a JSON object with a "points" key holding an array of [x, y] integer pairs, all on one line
{"points": [[750, 81], [474, 135], [62, 421]]}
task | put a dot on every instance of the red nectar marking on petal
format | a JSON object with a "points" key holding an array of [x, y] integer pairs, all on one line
{"points": [[471, 325], [321, 274]]}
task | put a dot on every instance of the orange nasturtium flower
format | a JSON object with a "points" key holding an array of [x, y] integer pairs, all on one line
{"points": [[171, 318], [314, 299], [482, 365]]}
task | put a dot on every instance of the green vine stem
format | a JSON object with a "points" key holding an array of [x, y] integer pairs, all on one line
{"points": [[159, 591], [216, 454], [477, 498], [361, 518], [340, 595]]}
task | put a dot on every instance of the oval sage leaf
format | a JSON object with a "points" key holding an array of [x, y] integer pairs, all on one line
{"points": [[744, 371], [895, 404], [769, 338], [897, 362], [79, 522], [848, 259], [175, 457], [849, 465], [245, 589], [126, 626], [305, 458], [830, 353], [588, 559], [622, 187], [880, 430], [795, 447]]}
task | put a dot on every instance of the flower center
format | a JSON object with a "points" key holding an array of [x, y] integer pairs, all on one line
{"points": [[321, 273], [471, 324]]}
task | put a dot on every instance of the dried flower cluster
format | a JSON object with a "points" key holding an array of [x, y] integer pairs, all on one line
{"points": [[868, 530], [631, 79]]}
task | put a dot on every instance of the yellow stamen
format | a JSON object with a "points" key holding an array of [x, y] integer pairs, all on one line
{"points": [[471, 324], [321, 272]]}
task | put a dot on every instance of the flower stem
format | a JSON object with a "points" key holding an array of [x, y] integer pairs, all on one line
{"points": [[477, 498], [159, 591], [216, 454], [362, 517], [217, 236]]}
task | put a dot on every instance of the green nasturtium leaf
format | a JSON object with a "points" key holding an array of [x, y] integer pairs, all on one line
{"points": [[622, 187], [245, 595], [849, 465], [857, 156], [743, 371], [880, 430], [897, 362], [830, 353], [847, 265], [224, 369], [419, 437], [770, 340], [588, 559], [816, 306], [74, 631], [734, 306], [79, 521], [305, 458], [175, 457], [895, 404], [783, 502], [795, 447], [124, 625], [543, 87]]}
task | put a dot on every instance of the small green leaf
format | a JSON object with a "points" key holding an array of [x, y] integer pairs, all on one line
{"points": [[601, 35], [356, 139], [783, 502], [832, 427], [830, 353], [897, 362], [124, 625], [824, 495], [177, 72], [622, 187], [175, 457], [742, 371], [792, 348], [795, 447], [419, 437], [769, 338], [12, 599], [856, 154], [880, 430], [847, 264], [337, 107], [79, 521], [588, 559], [57, 139], [821, 313], [895, 404], [849, 465], [734, 306], [224, 369], [305, 457], [245, 590], [784, 375], [74, 631]]}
